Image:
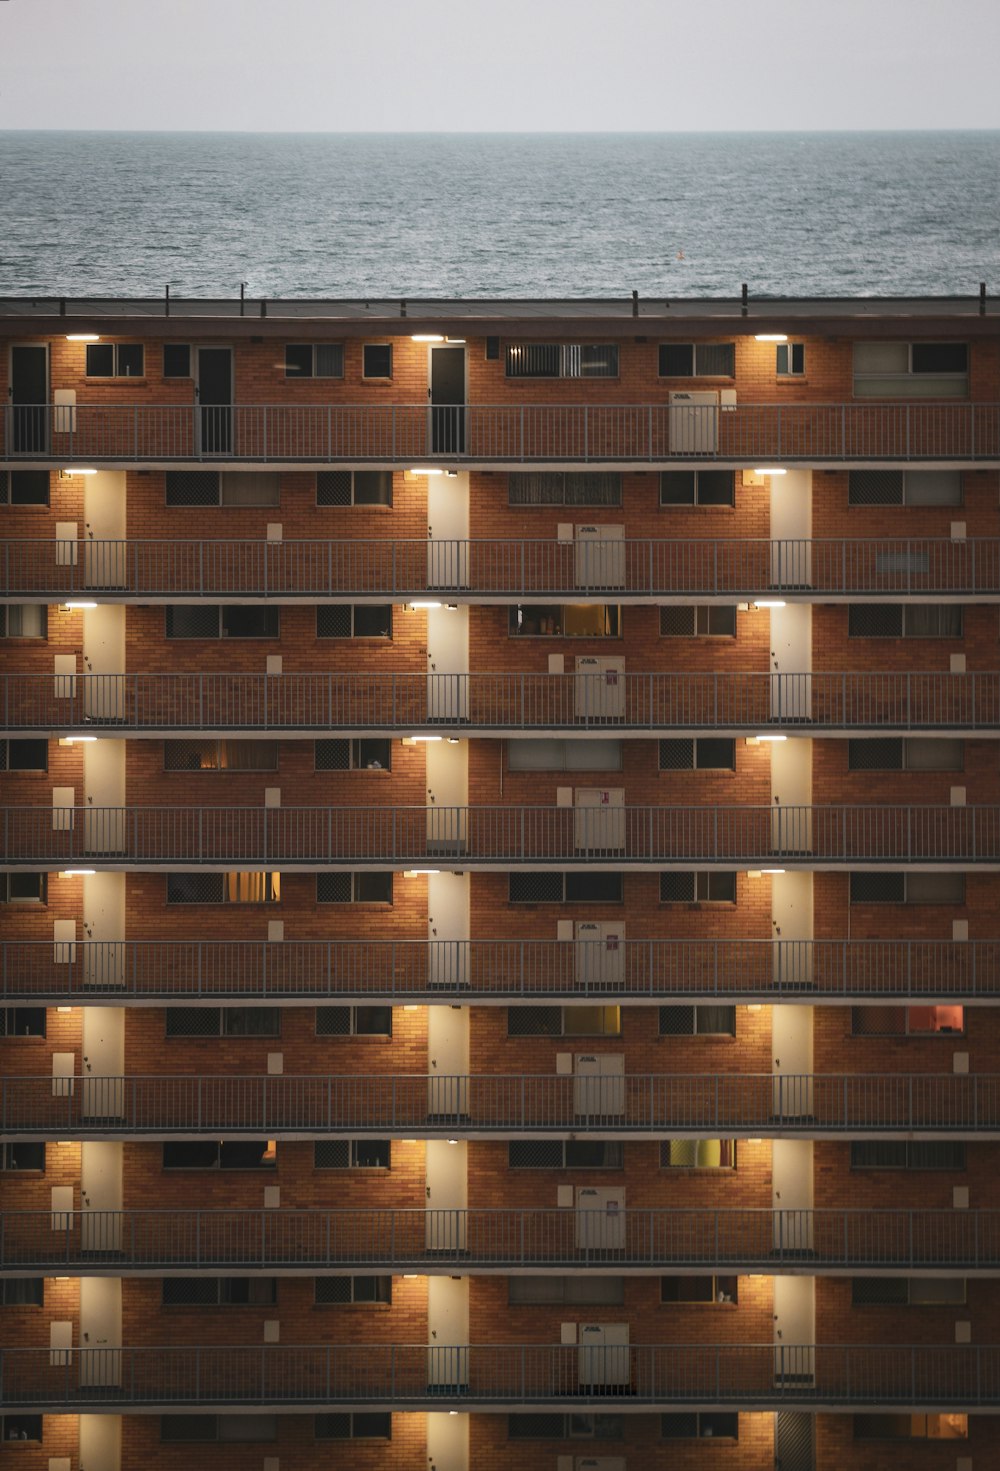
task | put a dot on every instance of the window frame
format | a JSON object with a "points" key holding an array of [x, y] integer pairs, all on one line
{"points": [[724, 1290], [381, 1293], [176, 347], [267, 1161], [697, 744], [300, 374], [355, 1418], [563, 1010], [705, 880], [701, 1419], [223, 1028], [9, 1017], [564, 478], [703, 614], [613, 1151], [856, 610], [353, 1029], [865, 384], [219, 742], [385, 477], [571, 360], [568, 878], [7, 742], [905, 743], [546, 612], [907, 478], [695, 348], [224, 610], [910, 1149], [271, 876], [354, 1146], [696, 1030], [354, 746], [7, 612], [369, 347], [724, 1169], [696, 502], [907, 881], [794, 356], [17, 876], [324, 609], [356, 876], [93, 348], [8, 479]]}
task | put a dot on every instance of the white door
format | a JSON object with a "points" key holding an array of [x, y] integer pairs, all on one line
{"points": [[604, 1353], [105, 551], [791, 796], [792, 1062], [447, 771], [448, 530], [447, 1185], [600, 1219], [100, 1330], [103, 1062], [791, 529], [448, 1062], [104, 663], [100, 1195], [791, 663], [794, 1328], [792, 927], [100, 1442], [104, 925], [599, 1085], [694, 423], [448, 664], [448, 1331], [447, 1441], [600, 556], [600, 688], [792, 1192], [600, 955], [104, 791], [600, 819], [448, 929]]}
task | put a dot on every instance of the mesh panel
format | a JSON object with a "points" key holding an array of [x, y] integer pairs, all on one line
{"points": [[332, 1427], [192, 487], [677, 622], [683, 1425], [534, 1021], [333, 621], [878, 1021], [529, 887], [333, 1289], [676, 1021], [879, 1290], [193, 1021], [333, 888], [536, 1427], [192, 1291], [333, 755], [190, 755], [194, 888], [333, 1021], [194, 621], [875, 620], [878, 888], [333, 488], [677, 888], [882, 754], [875, 488], [676, 755], [535, 1154], [332, 1154]]}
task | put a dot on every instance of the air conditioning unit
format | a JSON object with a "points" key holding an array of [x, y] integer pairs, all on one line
{"points": [[694, 422], [600, 556], [600, 687]]}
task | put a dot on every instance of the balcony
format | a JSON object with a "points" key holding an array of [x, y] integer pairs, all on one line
{"points": [[628, 571], [151, 1242], [497, 838], [499, 972], [402, 1376], [483, 1106], [302, 704], [495, 436]]}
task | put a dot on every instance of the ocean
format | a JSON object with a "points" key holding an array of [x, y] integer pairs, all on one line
{"points": [[529, 215]]}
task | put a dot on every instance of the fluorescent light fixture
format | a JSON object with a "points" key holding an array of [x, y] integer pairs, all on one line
{"points": [[411, 1008], [426, 605], [425, 470], [418, 871], [771, 337], [770, 603], [457, 341], [427, 337], [77, 873], [79, 470], [64, 1008], [772, 738], [772, 870], [72, 606], [452, 1141], [769, 470], [409, 1276], [78, 740], [83, 337], [453, 740], [424, 739]]}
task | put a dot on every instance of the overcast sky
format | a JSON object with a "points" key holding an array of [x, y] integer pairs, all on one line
{"points": [[499, 65]]}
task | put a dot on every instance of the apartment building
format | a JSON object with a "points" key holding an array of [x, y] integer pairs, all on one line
{"points": [[498, 885]]}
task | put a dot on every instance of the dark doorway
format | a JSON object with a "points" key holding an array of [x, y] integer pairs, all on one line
{"points": [[29, 394], [447, 400], [215, 400]]}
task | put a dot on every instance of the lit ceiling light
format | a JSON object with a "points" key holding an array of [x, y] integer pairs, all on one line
{"points": [[769, 470], [78, 740], [771, 337], [425, 470], [770, 603], [772, 738], [426, 605], [79, 470], [426, 337], [456, 341], [424, 739], [73, 606], [83, 337], [77, 873], [772, 870], [417, 871]]}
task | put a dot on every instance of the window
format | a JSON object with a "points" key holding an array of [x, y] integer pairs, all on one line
{"points": [[697, 1021], [20, 1428], [698, 1154], [569, 488], [23, 888], [361, 755], [557, 755], [699, 887], [354, 488], [697, 360], [564, 1021], [569, 620], [208, 620], [912, 1291], [907, 1154], [547, 887], [904, 488], [176, 360], [911, 369], [223, 888], [565, 1154], [223, 1021], [22, 1292], [907, 753], [888, 1426], [370, 1290], [354, 1021], [224, 755], [704, 753], [377, 360], [24, 487], [702, 621], [699, 1289], [20, 755], [565, 1427], [909, 620], [177, 1428], [222, 488], [225, 1154], [367, 1425], [314, 360], [22, 1021], [907, 1021], [562, 360], [907, 888], [790, 359], [204, 1292], [700, 1425], [354, 888], [697, 488], [115, 360], [579, 1291], [354, 620], [22, 1157], [24, 620], [352, 1154]]}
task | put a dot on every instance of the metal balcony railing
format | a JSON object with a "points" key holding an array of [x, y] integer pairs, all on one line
{"points": [[927, 569], [525, 433], [498, 971], [489, 1105], [471, 1377], [887, 1242], [499, 837], [404, 703]]}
